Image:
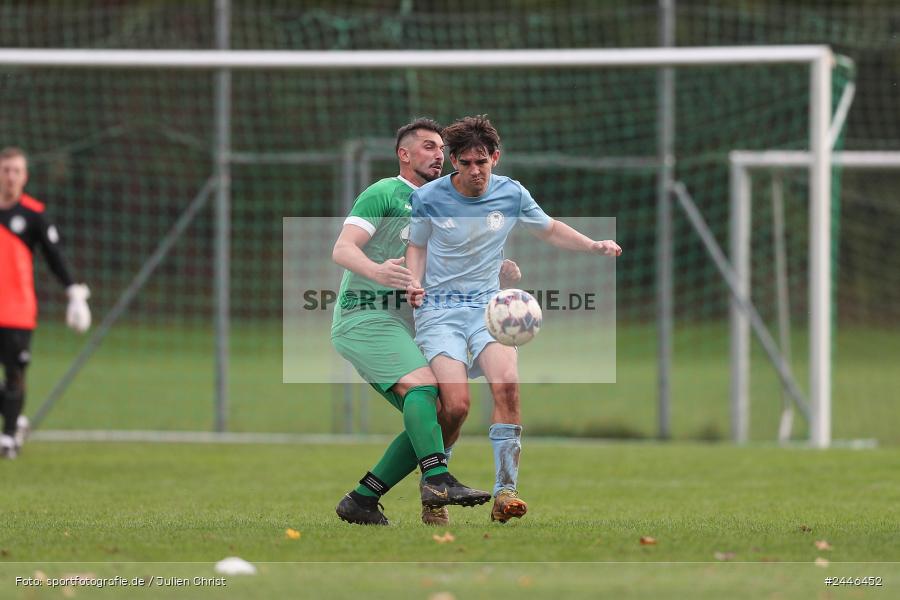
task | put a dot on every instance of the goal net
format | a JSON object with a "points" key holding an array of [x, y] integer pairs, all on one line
{"points": [[120, 152]]}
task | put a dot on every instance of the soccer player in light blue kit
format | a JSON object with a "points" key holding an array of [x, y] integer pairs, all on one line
{"points": [[460, 223]]}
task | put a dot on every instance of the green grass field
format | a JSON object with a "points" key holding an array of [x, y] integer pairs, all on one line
{"points": [[729, 521], [175, 509], [161, 378]]}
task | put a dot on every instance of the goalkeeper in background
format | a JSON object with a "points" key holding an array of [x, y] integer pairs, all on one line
{"points": [[377, 337], [23, 226]]}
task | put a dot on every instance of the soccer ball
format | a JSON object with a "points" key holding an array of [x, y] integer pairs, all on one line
{"points": [[513, 317]]}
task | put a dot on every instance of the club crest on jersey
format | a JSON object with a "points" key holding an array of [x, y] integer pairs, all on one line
{"points": [[404, 235], [495, 220], [17, 224]]}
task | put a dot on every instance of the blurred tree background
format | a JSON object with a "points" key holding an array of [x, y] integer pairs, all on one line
{"points": [[868, 31], [118, 154]]}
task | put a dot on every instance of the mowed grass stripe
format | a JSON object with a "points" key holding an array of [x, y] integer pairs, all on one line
{"points": [[195, 502]]}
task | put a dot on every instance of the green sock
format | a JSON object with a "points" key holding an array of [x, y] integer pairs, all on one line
{"points": [[398, 461], [420, 420]]}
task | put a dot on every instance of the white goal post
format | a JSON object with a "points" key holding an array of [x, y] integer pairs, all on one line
{"points": [[742, 165], [819, 60]]}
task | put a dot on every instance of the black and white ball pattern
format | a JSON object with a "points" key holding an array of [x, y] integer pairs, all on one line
{"points": [[513, 317]]}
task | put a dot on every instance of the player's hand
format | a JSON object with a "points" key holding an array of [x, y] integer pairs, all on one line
{"points": [[510, 274], [606, 248], [78, 313], [415, 293], [391, 273]]}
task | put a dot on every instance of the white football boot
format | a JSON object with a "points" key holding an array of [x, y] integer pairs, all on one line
{"points": [[23, 429], [8, 448]]}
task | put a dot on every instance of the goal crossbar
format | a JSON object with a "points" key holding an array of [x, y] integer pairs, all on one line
{"points": [[857, 159], [404, 59]]}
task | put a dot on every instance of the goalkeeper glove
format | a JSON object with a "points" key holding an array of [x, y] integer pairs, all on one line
{"points": [[78, 314]]}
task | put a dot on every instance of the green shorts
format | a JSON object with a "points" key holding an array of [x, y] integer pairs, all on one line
{"points": [[381, 348]]}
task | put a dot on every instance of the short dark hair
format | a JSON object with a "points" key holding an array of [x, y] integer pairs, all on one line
{"points": [[12, 152], [420, 123], [471, 132]]}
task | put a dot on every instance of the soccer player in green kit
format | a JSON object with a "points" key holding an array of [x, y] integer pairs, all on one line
{"points": [[377, 338]]}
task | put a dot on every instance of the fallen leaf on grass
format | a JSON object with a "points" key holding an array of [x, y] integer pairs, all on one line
{"points": [[442, 596], [822, 562], [292, 534], [487, 536], [443, 539], [823, 545], [724, 555], [805, 528], [68, 592], [525, 581], [646, 540], [40, 576]]}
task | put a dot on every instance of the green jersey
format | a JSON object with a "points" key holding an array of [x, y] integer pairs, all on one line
{"points": [[383, 210]]}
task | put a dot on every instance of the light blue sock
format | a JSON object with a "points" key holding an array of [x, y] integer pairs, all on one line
{"points": [[506, 441]]}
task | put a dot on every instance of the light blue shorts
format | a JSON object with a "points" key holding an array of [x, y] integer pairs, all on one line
{"points": [[459, 333]]}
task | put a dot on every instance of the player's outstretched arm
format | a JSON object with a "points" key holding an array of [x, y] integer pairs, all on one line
{"points": [[415, 259], [510, 274], [562, 236], [78, 313], [348, 252]]}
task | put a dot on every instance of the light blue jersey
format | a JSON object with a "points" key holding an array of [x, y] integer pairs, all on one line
{"points": [[465, 236]]}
